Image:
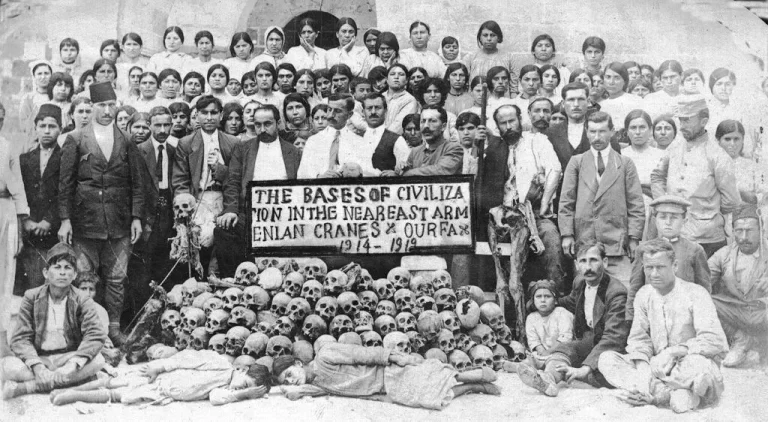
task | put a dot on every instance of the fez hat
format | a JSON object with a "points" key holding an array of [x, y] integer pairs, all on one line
{"points": [[59, 249], [101, 92], [49, 110], [690, 105], [670, 203], [745, 211]]}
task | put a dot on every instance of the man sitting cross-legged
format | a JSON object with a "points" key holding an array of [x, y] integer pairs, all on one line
{"points": [[367, 372], [676, 342]]}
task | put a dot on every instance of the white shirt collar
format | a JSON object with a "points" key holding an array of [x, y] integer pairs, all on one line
{"points": [[210, 138], [101, 129], [603, 152], [156, 144]]}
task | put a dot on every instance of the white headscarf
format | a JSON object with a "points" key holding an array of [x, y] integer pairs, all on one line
{"points": [[282, 34], [446, 61]]}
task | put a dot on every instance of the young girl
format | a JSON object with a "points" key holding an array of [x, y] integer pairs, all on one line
{"points": [[240, 48], [172, 57], [549, 324]]}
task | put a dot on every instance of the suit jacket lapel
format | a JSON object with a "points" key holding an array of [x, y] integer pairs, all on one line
{"points": [[41, 315], [250, 160], [89, 139], [117, 145], [611, 172], [288, 160], [196, 158], [54, 161], [148, 150], [599, 308], [588, 170]]}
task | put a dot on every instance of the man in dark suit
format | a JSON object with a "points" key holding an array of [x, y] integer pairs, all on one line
{"points": [[391, 149], [101, 200], [598, 302], [40, 174], [265, 157], [201, 168], [150, 258]]}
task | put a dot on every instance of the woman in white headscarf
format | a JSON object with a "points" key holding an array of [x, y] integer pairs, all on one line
{"points": [[273, 54], [450, 50]]}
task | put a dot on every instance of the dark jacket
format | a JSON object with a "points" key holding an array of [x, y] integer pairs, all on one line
{"points": [[151, 182], [83, 329], [42, 192], [384, 154], [241, 168], [558, 136], [610, 328], [495, 174], [189, 162], [101, 195]]}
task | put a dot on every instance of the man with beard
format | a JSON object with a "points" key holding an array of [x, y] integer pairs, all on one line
{"points": [[265, 157], [150, 260], [437, 156], [334, 150], [102, 200], [180, 112], [602, 199], [522, 166], [390, 149], [700, 172]]}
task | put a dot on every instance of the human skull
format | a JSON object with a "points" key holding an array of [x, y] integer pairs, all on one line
{"points": [[280, 304], [284, 326], [396, 340], [504, 335], [445, 299], [266, 326], [450, 321], [363, 322], [160, 351], [441, 279], [183, 206], [335, 282], [217, 321], [445, 341], [386, 307], [194, 318], [417, 341], [170, 320], [341, 324], [368, 301], [243, 361], [314, 327], [468, 313], [242, 316], [175, 297], [266, 262], [271, 279], [405, 322], [484, 335], [298, 309], [518, 351], [236, 340], [499, 356], [371, 339], [212, 304], [422, 286], [265, 361], [464, 342], [326, 307], [471, 292], [404, 300], [349, 303], [399, 277], [247, 274], [232, 297], [351, 337], [385, 324], [315, 268], [255, 345], [429, 325], [183, 340], [322, 341], [189, 291], [492, 315], [481, 356], [459, 360], [200, 338], [256, 298], [425, 303], [217, 343], [199, 300], [384, 289], [435, 353], [312, 290], [292, 284], [279, 346], [303, 351], [365, 282]]}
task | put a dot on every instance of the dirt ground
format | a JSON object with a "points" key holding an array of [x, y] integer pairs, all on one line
{"points": [[744, 399]]}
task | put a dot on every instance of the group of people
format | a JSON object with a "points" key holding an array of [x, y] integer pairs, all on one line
{"points": [[651, 186]]}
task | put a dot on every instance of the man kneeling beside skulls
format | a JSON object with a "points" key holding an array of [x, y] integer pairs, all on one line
{"points": [[368, 372]]}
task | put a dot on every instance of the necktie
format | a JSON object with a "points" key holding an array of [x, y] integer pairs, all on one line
{"points": [[333, 159], [600, 163], [159, 164]]}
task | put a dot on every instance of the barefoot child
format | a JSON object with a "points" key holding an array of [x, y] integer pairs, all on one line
{"points": [[86, 282]]}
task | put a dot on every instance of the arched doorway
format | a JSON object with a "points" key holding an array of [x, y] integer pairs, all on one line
{"points": [[327, 37]]}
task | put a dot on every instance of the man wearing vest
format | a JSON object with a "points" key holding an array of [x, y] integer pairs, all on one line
{"points": [[391, 149]]}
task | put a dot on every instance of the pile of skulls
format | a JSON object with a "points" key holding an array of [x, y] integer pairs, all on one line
{"points": [[292, 307]]}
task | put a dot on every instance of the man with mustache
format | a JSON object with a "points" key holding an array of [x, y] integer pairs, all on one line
{"points": [[522, 166], [437, 156], [598, 303], [265, 157], [390, 149], [602, 199], [740, 286], [700, 172], [102, 200]]}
